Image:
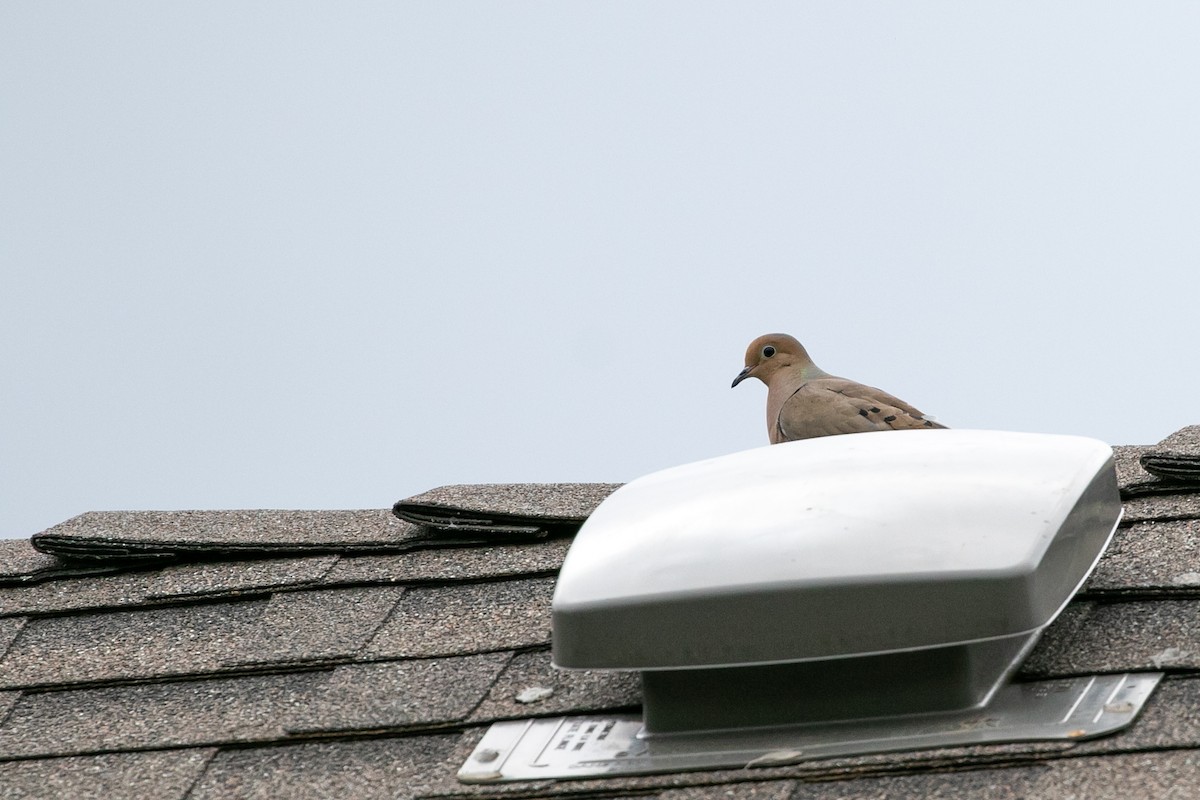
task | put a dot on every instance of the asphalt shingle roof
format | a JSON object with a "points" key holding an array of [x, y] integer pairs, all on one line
{"points": [[362, 654]]}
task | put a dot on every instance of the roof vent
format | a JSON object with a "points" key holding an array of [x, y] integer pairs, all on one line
{"points": [[828, 597]]}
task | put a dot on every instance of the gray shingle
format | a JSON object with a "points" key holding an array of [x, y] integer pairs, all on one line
{"points": [[157, 715], [1117, 637], [399, 694], [453, 564], [467, 618], [20, 562], [235, 577], [67, 594], [316, 625], [505, 507], [8, 699], [1170, 776], [1177, 457], [1131, 476], [10, 627], [1151, 556], [126, 645], [757, 790], [1135, 481], [742, 790], [113, 535], [376, 769], [245, 709], [120, 776], [1162, 508], [544, 690]]}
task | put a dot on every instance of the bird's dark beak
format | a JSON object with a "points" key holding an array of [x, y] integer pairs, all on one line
{"points": [[741, 376]]}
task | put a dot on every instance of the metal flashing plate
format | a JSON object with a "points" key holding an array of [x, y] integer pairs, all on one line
{"points": [[610, 746]]}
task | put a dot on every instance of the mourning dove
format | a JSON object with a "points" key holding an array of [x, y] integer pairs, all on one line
{"points": [[805, 401]]}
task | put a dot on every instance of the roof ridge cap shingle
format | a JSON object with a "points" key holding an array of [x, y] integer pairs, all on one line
{"points": [[123, 536], [1176, 458], [515, 509]]}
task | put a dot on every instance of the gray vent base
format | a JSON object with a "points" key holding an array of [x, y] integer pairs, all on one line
{"points": [[610, 746]]}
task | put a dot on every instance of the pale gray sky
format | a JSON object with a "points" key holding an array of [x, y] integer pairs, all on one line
{"points": [[327, 255]]}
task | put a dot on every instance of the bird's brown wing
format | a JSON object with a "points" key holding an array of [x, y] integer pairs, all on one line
{"points": [[828, 406]]}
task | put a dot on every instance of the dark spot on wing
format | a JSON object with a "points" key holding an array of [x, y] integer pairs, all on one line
{"points": [[890, 418], [862, 411]]}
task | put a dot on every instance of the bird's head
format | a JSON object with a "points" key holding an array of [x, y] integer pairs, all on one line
{"points": [[770, 353]]}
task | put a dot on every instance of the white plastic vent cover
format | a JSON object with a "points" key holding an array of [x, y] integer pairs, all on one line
{"points": [[830, 596]]}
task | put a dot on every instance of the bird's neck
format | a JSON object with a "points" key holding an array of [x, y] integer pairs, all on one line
{"points": [[787, 382], [808, 370]]}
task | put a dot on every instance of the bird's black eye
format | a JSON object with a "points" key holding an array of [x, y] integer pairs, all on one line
{"points": [[768, 351]]}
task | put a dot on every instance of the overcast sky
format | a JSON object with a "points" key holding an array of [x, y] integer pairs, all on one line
{"points": [[328, 255]]}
